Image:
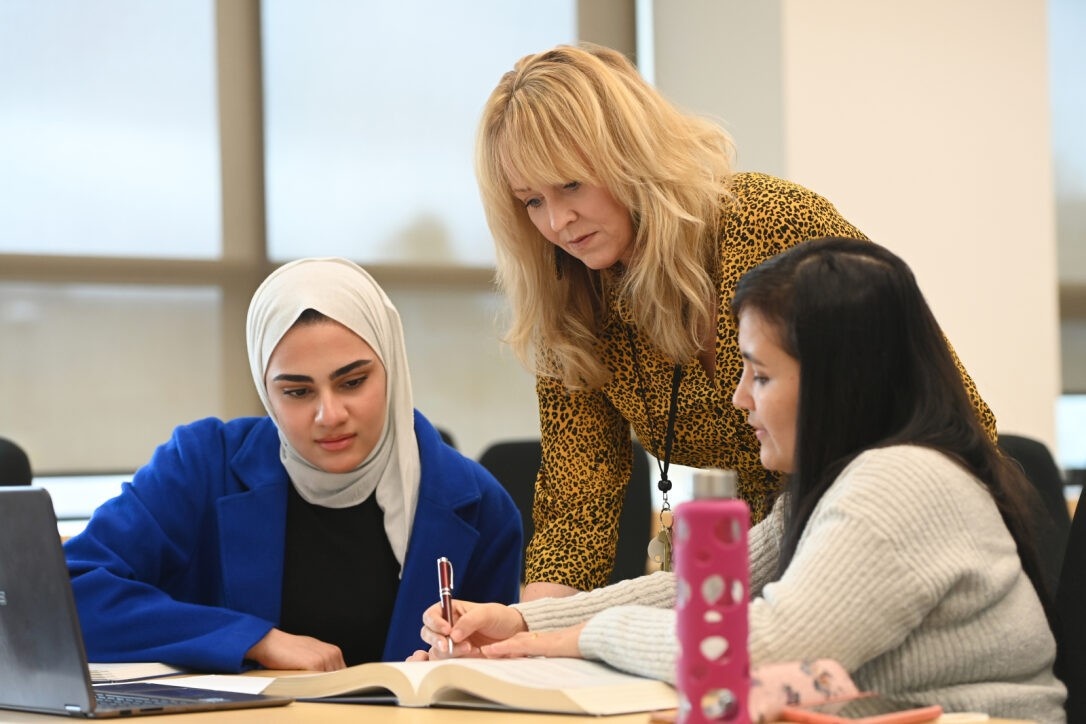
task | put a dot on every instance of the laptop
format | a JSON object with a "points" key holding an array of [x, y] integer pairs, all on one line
{"points": [[42, 658]]}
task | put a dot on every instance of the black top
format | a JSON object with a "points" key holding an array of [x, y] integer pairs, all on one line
{"points": [[340, 576]]}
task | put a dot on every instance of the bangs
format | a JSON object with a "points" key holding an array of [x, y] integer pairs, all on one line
{"points": [[541, 148]]}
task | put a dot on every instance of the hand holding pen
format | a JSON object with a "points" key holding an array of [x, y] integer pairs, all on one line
{"points": [[479, 624], [445, 592]]}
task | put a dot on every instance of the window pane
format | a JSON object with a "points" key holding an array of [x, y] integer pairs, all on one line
{"points": [[109, 128], [1071, 432], [370, 121], [97, 376], [1067, 63]]}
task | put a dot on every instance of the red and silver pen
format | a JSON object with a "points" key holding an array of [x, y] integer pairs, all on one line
{"points": [[445, 591]]}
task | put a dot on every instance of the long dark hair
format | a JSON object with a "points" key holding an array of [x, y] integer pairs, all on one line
{"points": [[875, 371]]}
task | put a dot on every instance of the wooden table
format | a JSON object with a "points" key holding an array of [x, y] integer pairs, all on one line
{"points": [[301, 711]]}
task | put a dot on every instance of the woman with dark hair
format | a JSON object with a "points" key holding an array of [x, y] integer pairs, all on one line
{"points": [[855, 320], [899, 546]]}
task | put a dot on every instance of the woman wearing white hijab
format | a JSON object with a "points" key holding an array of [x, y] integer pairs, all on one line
{"points": [[306, 539]]}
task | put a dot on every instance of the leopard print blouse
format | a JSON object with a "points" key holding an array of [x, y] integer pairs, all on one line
{"points": [[586, 434]]}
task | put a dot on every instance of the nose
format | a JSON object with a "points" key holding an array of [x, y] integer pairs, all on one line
{"points": [[741, 397], [560, 214], [330, 411]]}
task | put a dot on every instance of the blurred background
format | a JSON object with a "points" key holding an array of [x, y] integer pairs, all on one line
{"points": [[158, 159]]}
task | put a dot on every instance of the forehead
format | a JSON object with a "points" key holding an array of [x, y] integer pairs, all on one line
{"points": [[319, 344], [550, 166], [756, 332], [519, 181]]}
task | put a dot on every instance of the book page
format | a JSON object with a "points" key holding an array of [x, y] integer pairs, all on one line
{"points": [[400, 678], [542, 684], [547, 673], [235, 683]]}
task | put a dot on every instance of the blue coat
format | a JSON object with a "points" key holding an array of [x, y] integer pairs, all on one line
{"points": [[185, 566]]}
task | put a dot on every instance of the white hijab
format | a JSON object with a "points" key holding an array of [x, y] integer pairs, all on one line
{"points": [[343, 291]]}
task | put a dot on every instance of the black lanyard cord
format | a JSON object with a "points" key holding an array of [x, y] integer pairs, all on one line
{"points": [[663, 464]]}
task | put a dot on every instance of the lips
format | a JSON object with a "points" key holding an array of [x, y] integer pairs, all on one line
{"points": [[337, 442], [580, 240]]}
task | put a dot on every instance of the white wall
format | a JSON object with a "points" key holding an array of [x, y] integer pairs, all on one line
{"points": [[927, 123]]}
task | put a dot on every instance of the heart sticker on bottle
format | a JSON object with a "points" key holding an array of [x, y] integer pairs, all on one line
{"points": [[713, 647], [712, 588]]}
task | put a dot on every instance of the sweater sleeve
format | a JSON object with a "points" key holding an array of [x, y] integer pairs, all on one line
{"points": [[764, 543], [145, 572], [629, 625], [548, 614], [637, 639]]}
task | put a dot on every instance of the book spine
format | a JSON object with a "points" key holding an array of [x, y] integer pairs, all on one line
{"points": [[712, 570]]}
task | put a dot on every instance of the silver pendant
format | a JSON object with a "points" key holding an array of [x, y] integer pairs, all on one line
{"points": [[660, 549]]}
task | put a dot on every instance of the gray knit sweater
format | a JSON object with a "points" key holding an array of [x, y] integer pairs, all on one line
{"points": [[905, 574]]}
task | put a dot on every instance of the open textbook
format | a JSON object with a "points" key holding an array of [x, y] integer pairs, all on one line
{"points": [[571, 686]]}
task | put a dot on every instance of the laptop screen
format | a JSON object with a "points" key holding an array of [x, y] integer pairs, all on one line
{"points": [[41, 647]]}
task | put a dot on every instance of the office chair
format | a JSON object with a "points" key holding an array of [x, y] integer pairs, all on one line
{"points": [[14, 464], [1053, 523], [446, 437], [515, 463], [1071, 613]]}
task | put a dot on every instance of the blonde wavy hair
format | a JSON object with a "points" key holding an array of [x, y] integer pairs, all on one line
{"points": [[584, 113]]}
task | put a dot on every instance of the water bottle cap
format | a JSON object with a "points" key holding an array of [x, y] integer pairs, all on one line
{"points": [[715, 483]]}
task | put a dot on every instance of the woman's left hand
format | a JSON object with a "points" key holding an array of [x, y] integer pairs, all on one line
{"points": [[560, 643]]}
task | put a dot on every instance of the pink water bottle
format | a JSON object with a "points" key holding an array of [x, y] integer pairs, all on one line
{"points": [[712, 573]]}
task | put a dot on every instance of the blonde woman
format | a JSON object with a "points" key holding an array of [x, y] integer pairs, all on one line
{"points": [[621, 231]]}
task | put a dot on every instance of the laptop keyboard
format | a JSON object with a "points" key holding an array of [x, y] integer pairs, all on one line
{"points": [[108, 700]]}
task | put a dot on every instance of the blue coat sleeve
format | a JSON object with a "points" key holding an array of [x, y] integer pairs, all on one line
{"points": [[147, 572]]}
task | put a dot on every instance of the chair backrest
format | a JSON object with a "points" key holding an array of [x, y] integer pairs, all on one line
{"points": [[1071, 611], [14, 464], [1053, 523], [515, 463], [447, 437]]}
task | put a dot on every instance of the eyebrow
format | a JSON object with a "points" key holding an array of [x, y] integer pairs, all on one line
{"points": [[748, 356], [345, 369]]}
